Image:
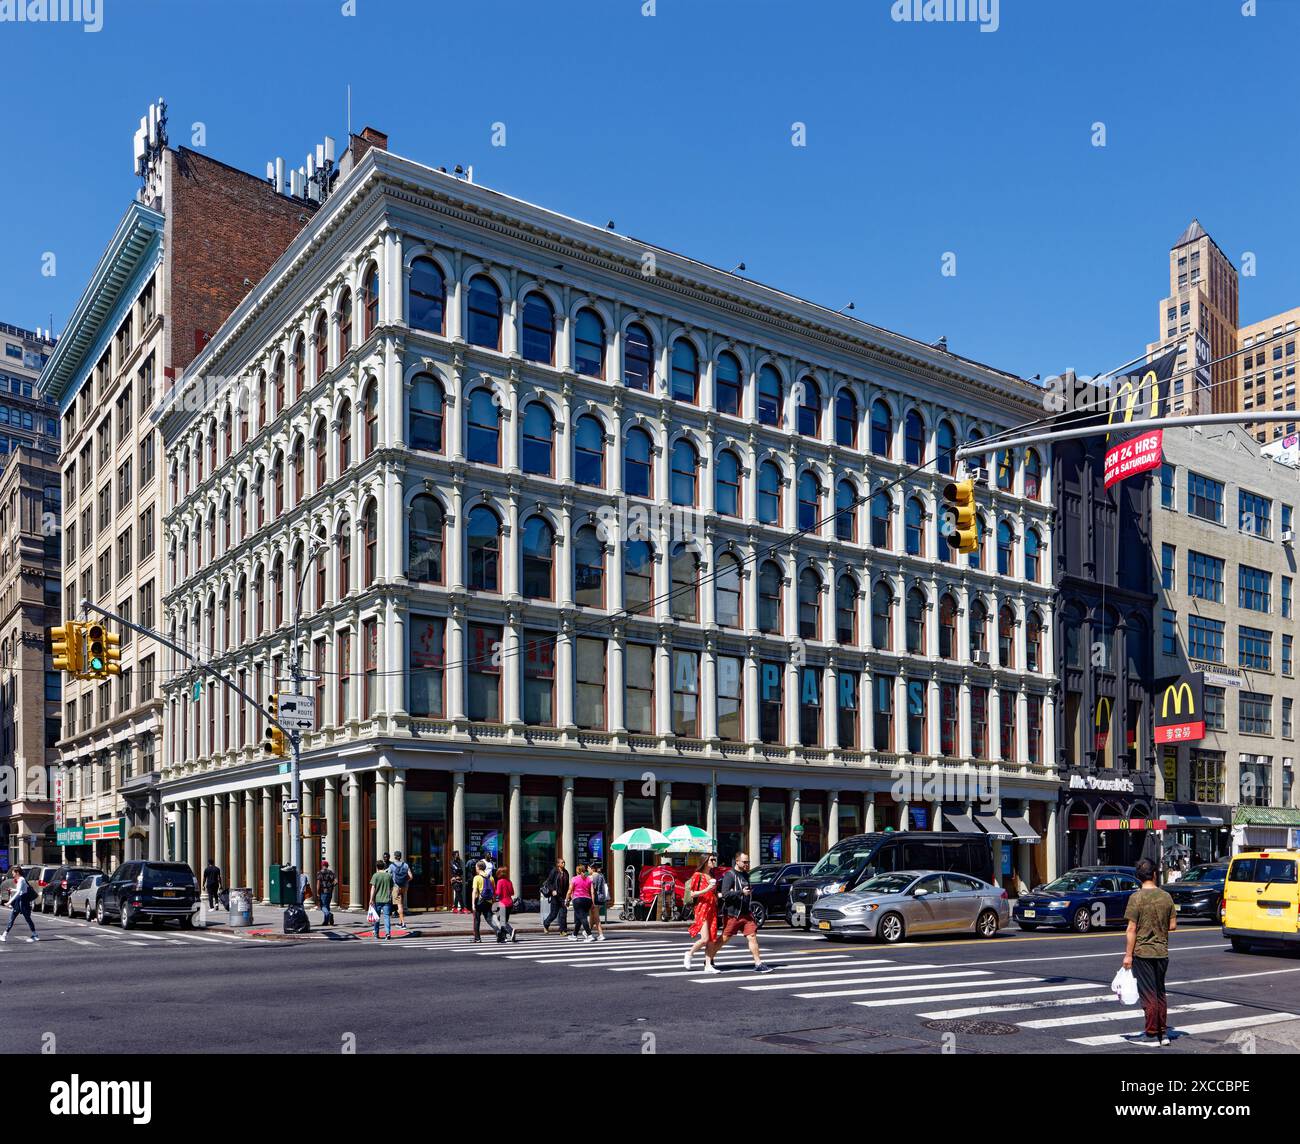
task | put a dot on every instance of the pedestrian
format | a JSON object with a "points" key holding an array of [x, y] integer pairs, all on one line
{"points": [[20, 904], [599, 897], [487, 862], [505, 900], [401, 872], [580, 897], [212, 883], [457, 883], [1151, 919], [556, 888], [483, 898], [702, 887], [326, 880], [381, 899], [734, 895]]}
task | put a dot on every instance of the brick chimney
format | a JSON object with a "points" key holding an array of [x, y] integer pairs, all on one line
{"points": [[358, 145]]}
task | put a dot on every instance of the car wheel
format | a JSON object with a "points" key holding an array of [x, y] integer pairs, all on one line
{"points": [[100, 915], [986, 925], [890, 930], [759, 913], [1082, 920], [1240, 945], [1029, 927], [124, 918], [90, 911]]}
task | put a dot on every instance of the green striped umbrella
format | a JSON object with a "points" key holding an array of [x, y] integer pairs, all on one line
{"points": [[642, 838], [689, 840]]}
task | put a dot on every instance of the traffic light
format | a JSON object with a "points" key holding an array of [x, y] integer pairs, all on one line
{"points": [[65, 641], [98, 642], [112, 656], [960, 498], [274, 741], [313, 826]]}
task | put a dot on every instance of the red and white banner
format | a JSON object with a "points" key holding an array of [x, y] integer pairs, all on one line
{"points": [[1139, 455]]}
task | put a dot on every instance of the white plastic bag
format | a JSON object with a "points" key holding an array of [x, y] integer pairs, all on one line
{"points": [[1125, 987], [372, 916]]}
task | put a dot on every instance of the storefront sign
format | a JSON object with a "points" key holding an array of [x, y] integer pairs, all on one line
{"points": [[919, 817], [58, 801], [1137, 397], [1180, 709], [1131, 824], [1218, 676], [1101, 723], [103, 829], [1092, 782], [590, 845], [69, 835], [485, 841], [1171, 774], [770, 848]]}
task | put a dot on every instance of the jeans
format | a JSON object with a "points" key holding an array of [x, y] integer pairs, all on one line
{"points": [[484, 913], [23, 908], [213, 903], [325, 896], [385, 912], [558, 910], [1150, 973], [581, 916]]}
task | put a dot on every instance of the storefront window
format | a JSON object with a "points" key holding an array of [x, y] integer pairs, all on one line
{"points": [[538, 817], [771, 833], [590, 826]]}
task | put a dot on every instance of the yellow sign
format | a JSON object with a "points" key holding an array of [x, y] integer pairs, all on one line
{"points": [[1178, 690]]}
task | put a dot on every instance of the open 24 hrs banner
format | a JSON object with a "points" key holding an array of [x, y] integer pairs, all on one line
{"points": [[1138, 397]]}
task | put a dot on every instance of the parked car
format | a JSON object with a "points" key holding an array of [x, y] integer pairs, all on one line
{"points": [[1199, 892], [38, 877], [82, 899], [770, 886], [904, 903], [153, 890], [1262, 898], [849, 863], [53, 895], [1079, 899]]}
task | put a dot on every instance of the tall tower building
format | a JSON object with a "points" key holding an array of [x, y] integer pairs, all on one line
{"points": [[1266, 371]]}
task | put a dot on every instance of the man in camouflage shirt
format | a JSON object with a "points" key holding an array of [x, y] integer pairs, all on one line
{"points": [[1151, 919]]}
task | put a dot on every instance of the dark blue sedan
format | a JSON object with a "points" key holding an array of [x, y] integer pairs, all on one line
{"points": [[1080, 899]]}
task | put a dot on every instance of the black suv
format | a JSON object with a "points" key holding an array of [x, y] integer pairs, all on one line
{"points": [[54, 893], [1199, 892], [153, 890]]}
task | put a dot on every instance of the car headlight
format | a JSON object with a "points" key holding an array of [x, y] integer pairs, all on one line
{"points": [[861, 908], [833, 888], [1058, 905]]}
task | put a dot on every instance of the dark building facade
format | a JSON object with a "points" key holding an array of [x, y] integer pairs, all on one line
{"points": [[1104, 736]]}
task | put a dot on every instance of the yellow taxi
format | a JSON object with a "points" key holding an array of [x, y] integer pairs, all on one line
{"points": [[1261, 897]]}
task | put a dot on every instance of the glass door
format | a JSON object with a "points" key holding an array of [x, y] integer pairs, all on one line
{"points": [[426, 853]]}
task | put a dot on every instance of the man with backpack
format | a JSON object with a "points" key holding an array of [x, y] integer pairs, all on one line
{"points": [[556, 887], [20, 904], [599, 898], [401, 872], [484, 899]]}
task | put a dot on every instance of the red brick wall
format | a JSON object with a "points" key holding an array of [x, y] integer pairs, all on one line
{"points": [[223, 226]]}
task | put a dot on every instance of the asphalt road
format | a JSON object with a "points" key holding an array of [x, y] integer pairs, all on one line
{"points": [[103, 990]]}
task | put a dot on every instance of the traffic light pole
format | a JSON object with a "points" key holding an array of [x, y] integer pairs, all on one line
{"points": [[295, 736]]}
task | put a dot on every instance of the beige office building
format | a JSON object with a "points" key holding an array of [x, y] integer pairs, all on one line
{"points": [[1266, 372]]}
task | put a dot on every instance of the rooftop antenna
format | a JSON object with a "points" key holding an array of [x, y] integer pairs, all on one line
{"points": [[850, 306], [738, 268], [349, 109]]}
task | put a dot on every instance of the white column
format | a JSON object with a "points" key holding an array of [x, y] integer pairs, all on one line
{"points": [[250, 840], [833, 819], [617, 872], [796, 819], [268, 840], [397, 810], [232, 849], [332, 823], [567, 841], [356, 830], [382, 806], [514, 829], [458, 839], [665, 806], [752, 846]]}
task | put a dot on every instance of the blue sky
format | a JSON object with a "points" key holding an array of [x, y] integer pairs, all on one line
{"points": [[922, 138]]}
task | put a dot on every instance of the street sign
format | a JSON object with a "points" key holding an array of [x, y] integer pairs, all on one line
{"points": [[297, 712], [799, 829], [289, 806]]}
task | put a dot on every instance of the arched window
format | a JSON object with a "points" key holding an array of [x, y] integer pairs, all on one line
{"points": [[321, 339], [261, 412], [846, 610], [322, 580], [538, 559], [483, 542], [345, 437], [942, 530], [589, 452], [914, 439], [808, 418], [770, 396], [846, 419], [810, 501], [769, 493], [427, 300], [946, 442], [726, 492], [726, 384], [370, 408], [425, 526], [914, 527], [539, 440], [212, 447], [638, 575], [810, 605], [427, 404], [977, 557], [277, 591], [241, 611], [947, 627], [225, 619], [1032, 544], [589, 567], [243, 510], [345, 558], [1006, 549], [277, 382], [370, 299], [1006, 470], [277, 479], [882, 617], [345, 324], [685, 572], [637, 455], [370, 537], [1034, 642], [686, 372], [916, 621], [298, 365], [638, 358], [589, 344], [882, 429], [727, 585], [978, 627], [298, 468], [1033, 475], [770, 582], [685, 464], [539, 329], [483, 442], [880, 510], [483, 325], [1006, 637], [225, 523]]}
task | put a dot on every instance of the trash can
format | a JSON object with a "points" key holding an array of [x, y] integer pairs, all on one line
{"points": [[241, 906]]}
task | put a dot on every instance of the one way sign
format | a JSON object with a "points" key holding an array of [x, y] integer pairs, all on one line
{"points": [[297, 712]]}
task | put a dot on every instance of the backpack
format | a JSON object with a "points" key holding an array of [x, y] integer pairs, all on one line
{"points": [[488, 893], [599, 890]]}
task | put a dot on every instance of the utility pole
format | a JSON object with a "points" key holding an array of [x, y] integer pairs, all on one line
{"points": [[295, 737]]}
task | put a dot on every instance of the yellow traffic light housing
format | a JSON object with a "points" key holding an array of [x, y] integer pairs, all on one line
{"points": [[96, 651], [960, 499], [275, 742], [65, 642], [112, 656]]}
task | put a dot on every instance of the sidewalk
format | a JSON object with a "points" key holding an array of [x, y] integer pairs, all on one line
{"points": [[350, 925]]}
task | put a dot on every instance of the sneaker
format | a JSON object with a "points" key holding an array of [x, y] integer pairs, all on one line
{"points": [[1145, 1039], [570, 937], [1164, 1039], [686, 960], [709, 967], [33, 938], [762, 967], [546, 929], [4, 936], [600, 937], [514, 936]]}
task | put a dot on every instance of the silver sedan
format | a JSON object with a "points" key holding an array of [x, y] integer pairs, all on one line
{"points": [[905, 903], [81, 901]]}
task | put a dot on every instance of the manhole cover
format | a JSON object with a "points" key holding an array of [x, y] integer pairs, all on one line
{"points": [[973, 1028]]}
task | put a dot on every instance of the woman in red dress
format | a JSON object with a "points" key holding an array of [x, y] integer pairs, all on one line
{"points": [[704, 892]]}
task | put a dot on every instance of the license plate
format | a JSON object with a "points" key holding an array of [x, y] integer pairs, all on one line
{"points": [[1274, 913], [1027, 913], [167, 893], [823, 925]]}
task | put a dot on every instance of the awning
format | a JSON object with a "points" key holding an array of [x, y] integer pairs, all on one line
{"points": [[1192, 820], [994, 826], [961, 822], [1023, 831]]}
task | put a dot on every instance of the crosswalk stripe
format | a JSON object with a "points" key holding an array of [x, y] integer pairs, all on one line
{"points": [[1187, 1030], [984, 1010], [743, 962], [1119, 1015], [794, 970], [80, 941], [129, 941], [1229, 977], [738, 958], [975, 996], [875, 982], [199, 937]]}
